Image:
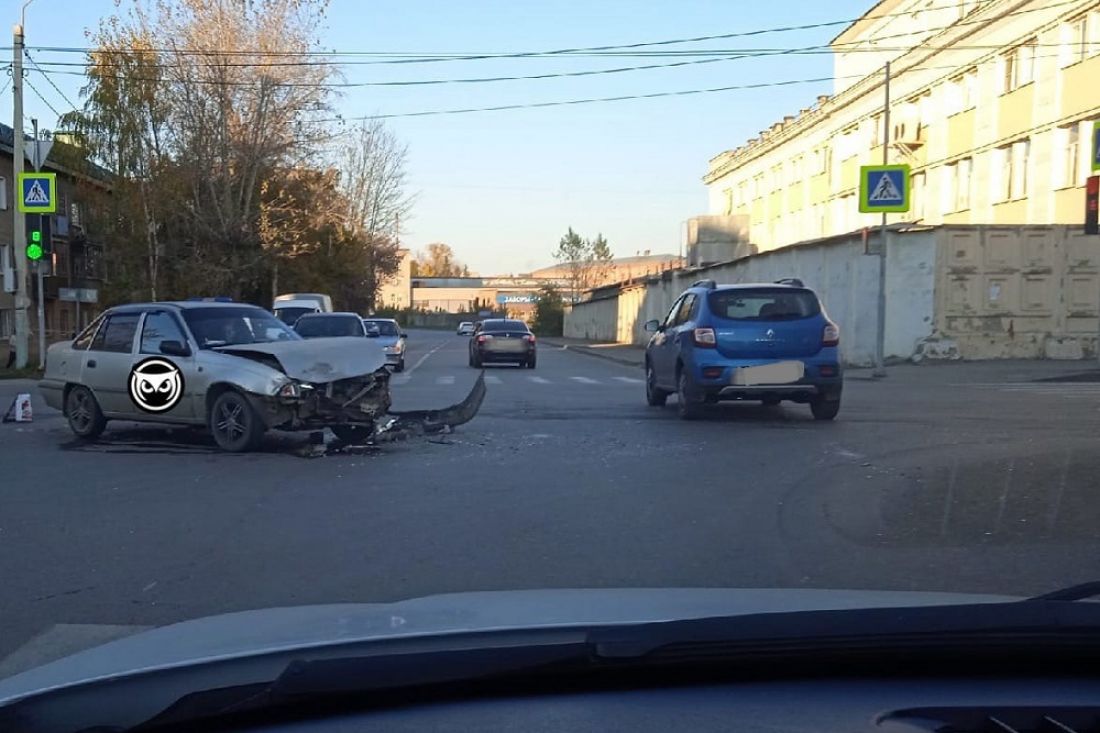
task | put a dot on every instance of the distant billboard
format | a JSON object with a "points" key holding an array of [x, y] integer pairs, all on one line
{"points": [[513, 298]]}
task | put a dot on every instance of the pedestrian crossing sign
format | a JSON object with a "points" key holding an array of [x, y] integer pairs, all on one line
{"points": [[883, 188], [37, 193]]}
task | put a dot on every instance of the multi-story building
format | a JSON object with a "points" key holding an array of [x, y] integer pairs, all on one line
{"points": [[74, 272], [396, 291], [992, 103]]}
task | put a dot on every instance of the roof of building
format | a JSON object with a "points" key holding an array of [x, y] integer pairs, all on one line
{"points": [[874, 13], [617, 262], [59, 154]]}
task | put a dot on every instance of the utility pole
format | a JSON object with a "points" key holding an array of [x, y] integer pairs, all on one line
{"points": [[19, 228], [40, 265], [880, 325]]}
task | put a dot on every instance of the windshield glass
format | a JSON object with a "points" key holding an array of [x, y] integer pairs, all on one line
{"points": [[763, 304], [385, 328], [671, 294], [231, 326], [323, 326]]}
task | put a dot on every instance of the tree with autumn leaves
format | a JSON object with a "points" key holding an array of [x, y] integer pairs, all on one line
{"points": [[232, 175]]}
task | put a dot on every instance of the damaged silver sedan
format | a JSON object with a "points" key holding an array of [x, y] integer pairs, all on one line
{"points": [[234, 368]]}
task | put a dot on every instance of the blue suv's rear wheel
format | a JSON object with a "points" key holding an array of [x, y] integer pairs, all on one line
{"points": [[653, 395], [688, 405], [823, 409]]}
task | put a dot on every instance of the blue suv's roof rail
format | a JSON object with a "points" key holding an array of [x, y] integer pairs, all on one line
{"points": [[708, 284], [793, 281]]}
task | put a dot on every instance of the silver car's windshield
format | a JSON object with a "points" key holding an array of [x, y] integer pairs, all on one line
{"points": [[231, 326]]}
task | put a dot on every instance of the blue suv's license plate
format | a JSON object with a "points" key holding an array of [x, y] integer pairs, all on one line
{"points": [[781, 372]]}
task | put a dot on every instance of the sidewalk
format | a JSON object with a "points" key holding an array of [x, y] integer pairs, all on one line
{"points": [[928, 372], [626, 354]]}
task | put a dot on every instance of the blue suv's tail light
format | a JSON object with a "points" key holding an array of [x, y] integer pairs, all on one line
{"points": [[704, 337], [830, 336]]}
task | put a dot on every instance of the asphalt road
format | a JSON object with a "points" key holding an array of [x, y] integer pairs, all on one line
{"points": [[931, 480]]}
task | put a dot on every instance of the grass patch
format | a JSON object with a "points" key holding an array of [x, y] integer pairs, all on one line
{"points": [[25, 373]]}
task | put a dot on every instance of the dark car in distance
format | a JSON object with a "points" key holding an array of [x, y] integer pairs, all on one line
{"points": [[328, 325], [503, 340]]}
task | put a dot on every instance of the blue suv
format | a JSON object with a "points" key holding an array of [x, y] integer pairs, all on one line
{"points": [[768, 342]]}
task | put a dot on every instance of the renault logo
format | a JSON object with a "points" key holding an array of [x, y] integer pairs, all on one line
{"points": [[770, 333]]}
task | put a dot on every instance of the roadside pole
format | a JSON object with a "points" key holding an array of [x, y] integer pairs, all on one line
{"points": [[880, 325], [883, 189], [40, 265], [19, 229]]}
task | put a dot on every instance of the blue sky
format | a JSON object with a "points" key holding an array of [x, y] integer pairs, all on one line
{"points": [[501, 187]]}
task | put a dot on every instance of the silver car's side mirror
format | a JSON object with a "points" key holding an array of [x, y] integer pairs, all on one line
{"points": [[174, 348]]}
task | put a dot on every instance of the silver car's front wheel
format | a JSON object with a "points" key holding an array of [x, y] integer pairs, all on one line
{"points": [[234, 424]]}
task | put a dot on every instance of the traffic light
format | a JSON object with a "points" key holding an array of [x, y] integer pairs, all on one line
{"points": [[39, 237]]}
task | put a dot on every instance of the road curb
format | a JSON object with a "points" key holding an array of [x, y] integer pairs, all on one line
{"points": [[589, 351]]}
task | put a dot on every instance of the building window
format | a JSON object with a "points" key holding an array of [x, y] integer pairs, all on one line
{"points": [[3, 194], [1069, 144], [1002, 168], [1075, 41], [1011, 164], [961, 92], [918, 196], [1021, 151], [1019, 66], [961, 185]]}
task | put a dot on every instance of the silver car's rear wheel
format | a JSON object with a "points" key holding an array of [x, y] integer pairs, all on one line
{"points": [[85, 418]]}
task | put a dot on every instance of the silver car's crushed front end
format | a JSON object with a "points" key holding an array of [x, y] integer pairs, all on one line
{"points": [[359, 401]]}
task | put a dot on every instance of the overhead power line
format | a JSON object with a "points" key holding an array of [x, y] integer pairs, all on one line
{"points": [[49, 81], [39, 95], [434, 57], [653, 95], [8, 82], [727, 55]]}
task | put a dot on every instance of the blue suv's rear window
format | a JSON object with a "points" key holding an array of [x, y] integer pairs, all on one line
{"points": [[763, 304]]}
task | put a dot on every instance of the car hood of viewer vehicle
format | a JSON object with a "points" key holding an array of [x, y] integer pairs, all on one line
{"points": [[318, 360], [272, 637]]}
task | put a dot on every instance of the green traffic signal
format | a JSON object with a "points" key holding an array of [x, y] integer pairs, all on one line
{"points": [[34, 251]]}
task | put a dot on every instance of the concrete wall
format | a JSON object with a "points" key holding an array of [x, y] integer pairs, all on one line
{"points": [[597, 320], [1019, 292], [952, 292], [843, 276]]}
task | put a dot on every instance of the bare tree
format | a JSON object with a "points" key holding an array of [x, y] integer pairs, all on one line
{"points": [[373, 179]]}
